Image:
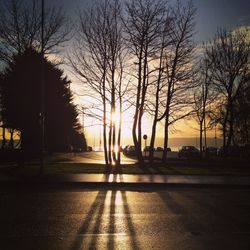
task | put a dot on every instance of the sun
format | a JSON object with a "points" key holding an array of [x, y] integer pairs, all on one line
{"points": [[115, 118]]}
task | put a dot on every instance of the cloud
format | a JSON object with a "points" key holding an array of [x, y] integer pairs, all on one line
{"points": [[244, 20]]}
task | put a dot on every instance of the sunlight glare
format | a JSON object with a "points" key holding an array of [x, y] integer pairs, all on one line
{"points": [[116, 149], [115, 117], [118, 198]]}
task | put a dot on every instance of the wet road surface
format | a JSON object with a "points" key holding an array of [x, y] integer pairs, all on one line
{"points": [[174, 218], [95, 157], [98, 157]]}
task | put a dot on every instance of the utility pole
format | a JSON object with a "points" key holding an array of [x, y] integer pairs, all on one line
{"points": [[145, 137], [215, 137], [42, 92]]}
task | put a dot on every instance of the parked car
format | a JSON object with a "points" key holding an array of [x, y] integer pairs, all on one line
{"points": [[159, 149], [232, 151], [130, 151], [147, 149], [188, 152], [211, 151], [124, 150]]}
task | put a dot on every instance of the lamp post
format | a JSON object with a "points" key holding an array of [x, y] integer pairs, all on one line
{"points": [[42, 91], [215, 137], [145, 137]]}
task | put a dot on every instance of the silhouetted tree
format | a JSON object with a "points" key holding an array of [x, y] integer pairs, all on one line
{"points": [[20, 28], [3, 139], [204, 98], [229, 59], [175, 70], [21, 101], [78, 140], [144, 20], [98, 61], [242, 116]]}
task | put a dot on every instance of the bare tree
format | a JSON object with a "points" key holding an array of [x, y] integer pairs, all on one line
{"points": [[203, 100], [98, 60], [242, 116], [177, 69], [143, 25], [157, 88], [1, 122], [20, 28], [229, 58]]}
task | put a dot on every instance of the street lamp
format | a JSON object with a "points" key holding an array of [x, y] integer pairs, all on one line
{"points": [[42, 91], [145, 137], [215, 137]]}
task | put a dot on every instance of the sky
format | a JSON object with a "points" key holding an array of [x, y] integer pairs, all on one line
{"points": [[211, 15]]}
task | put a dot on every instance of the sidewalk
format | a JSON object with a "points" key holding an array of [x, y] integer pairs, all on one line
{"points": [[125, 180]]}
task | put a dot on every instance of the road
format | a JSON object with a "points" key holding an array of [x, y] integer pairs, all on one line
{"points": [[174, 218], [98, 157]]}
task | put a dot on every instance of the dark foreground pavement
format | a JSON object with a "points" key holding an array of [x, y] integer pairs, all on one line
{"points": [[145, 218], [121, 180]]}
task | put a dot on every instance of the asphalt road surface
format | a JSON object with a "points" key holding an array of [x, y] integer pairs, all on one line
{"points": [[174, 218], [98, 157]]}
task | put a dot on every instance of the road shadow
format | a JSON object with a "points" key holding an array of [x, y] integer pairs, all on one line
{"points": [[108, 210], [133, 234], [183, 217], [93, 217], [222, 209]]}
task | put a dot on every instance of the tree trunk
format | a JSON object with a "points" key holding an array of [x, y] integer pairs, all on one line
{"points": [[152, 142], [110, 140], [105, 130], [231, 122], [164, 156], [119, 146], [135, 121], [119, 133], [224, 131], [141, 108], [140, 157], [113, 112], [4, 138], [205, 133], [201, 149]]}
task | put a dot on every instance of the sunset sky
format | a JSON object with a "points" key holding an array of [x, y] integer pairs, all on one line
{"points": [[211, 14]]}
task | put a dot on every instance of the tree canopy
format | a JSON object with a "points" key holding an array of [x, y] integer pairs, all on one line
{"points": [[21, 103], [20, 28]]}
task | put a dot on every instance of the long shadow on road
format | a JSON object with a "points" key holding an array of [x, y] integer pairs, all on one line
{"points": [[182, 215], [94, 215], [108, 218]]}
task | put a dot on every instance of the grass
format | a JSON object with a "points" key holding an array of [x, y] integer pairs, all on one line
{"points": [[53, 168], [62, 164]]}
